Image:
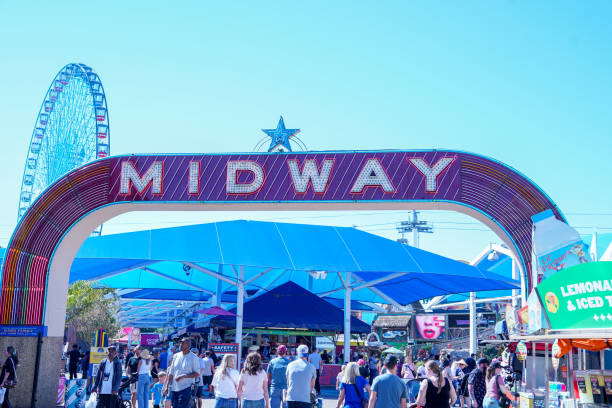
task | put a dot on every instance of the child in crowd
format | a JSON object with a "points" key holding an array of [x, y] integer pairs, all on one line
{"points": [[339, 377], [156, 389]]}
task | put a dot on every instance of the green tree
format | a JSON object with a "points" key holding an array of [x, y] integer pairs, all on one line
{"points": [[89, 308]]}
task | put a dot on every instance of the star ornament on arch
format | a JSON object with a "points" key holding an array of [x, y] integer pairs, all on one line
{"points": [[280, 137]]}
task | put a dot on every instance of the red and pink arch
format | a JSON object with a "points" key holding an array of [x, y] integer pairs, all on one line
{"points": [[38, 258]]}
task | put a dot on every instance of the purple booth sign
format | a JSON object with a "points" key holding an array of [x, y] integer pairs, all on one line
{"points": [[149, 339], [486, 189]]}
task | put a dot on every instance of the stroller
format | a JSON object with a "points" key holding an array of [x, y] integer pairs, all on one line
{"points": [[124, 401]]}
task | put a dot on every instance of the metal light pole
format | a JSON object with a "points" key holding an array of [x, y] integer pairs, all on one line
{"points": [[415, 226]]}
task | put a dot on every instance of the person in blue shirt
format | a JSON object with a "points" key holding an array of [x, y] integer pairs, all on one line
{"points": [[156, 389], [277, 377], [354, 388], [163, 359]]}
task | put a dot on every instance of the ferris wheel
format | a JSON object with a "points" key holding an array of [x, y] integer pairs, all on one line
{"points": [[71, 129]]}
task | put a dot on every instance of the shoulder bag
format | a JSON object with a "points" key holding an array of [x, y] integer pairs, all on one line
{"points": [[364, 402], [504, 402]]}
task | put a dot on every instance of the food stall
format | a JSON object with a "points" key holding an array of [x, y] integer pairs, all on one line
{"points": [[570, 314], [289, 315]]}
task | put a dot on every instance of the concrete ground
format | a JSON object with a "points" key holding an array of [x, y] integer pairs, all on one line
{"points": [[330, 397]]}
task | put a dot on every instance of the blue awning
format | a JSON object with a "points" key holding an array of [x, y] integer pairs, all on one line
{"points": [[290, 306], [172, 262]]}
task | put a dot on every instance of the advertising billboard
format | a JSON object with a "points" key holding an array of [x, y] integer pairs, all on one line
{"points": [[579, 297], [430, 326]]}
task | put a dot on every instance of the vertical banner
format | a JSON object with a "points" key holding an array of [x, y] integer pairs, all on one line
{"points": [[61, 391]]}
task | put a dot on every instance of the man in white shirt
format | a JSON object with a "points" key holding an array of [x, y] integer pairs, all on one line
{"points": [[209, 371], [317, 362], [108, 380], [184, 370]]}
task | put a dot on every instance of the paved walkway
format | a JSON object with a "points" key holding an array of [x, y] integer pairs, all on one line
{"points": [[330, 397]]}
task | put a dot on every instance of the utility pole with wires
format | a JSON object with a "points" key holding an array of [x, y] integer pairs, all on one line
{"points": [[415, 226]]}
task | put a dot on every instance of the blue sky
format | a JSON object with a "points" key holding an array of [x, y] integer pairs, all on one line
{"points": [[527, 83]]}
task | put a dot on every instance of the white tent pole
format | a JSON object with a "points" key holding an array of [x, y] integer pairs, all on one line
{"points": [[173, 279], [240, 314], [211, 273], [473, 323], [217, 302], [347, 319], [515, 276]]}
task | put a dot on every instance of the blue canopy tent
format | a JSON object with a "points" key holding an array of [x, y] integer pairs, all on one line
{"points": [[251, 257], [290, 306]]}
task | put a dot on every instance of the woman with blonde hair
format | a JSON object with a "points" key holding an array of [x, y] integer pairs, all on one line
{"points": [[435, 390], [253, 384], [354, 388], [225, 382], [339, 377]]}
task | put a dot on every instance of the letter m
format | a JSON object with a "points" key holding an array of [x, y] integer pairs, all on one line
{"points": [[152, 177]]}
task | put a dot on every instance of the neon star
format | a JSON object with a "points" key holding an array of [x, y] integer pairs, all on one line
{"points": [[280, 136]]}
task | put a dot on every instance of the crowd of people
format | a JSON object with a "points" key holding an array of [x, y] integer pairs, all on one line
{"points": [[175, 378], [437, 382]]}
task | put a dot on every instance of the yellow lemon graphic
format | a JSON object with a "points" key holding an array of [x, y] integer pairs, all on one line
{"points": [[552, 302]]}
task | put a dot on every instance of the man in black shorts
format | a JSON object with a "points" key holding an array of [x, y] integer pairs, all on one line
{"points": [[132, 372], [209, 370]]}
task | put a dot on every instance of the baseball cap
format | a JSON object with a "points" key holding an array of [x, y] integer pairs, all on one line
{"points": [[302, 350], [361, 362], [281, 349], [483, 361]]}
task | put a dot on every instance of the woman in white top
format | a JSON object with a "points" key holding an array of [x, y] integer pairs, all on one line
{"points": [[253, 385], [225, 382], [144, 379]]}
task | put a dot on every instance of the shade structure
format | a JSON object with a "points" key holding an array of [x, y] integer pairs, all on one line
{"points": [[164, 273], [289, 306]]}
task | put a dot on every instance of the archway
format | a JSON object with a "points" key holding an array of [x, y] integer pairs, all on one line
{"points": [[41, 250]]}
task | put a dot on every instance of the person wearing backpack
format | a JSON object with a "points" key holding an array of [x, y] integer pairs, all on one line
{"points": [[464, 392], [353, 389], [496, 390]]}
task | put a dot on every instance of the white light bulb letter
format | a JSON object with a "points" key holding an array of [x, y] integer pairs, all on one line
{"points": [[194, 177], [431, 173], [310, 174], [130, 176], [234, 167], [373, 175]]}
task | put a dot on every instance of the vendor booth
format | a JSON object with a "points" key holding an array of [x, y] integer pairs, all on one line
{"points": [[289, 315], [570, 322]]}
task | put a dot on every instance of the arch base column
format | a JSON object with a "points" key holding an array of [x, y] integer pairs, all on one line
{"points": [[50, 366]]}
